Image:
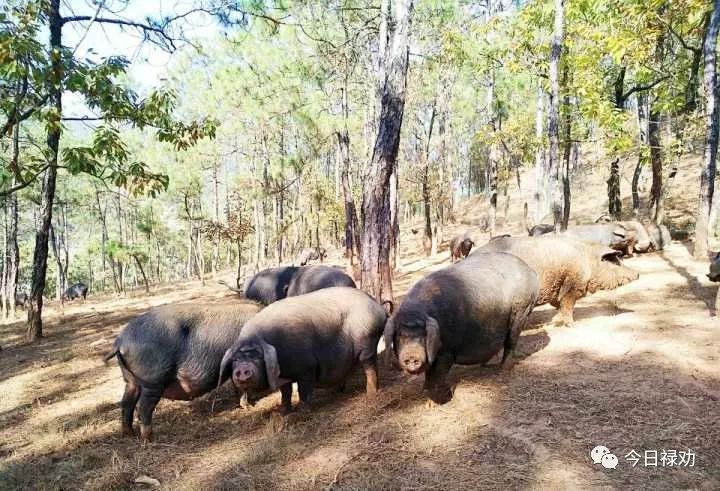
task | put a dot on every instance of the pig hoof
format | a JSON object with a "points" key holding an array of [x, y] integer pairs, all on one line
{"points": [[440, 395], [284, 411], [146, 434], [127, 431], [562, 321], [303, 408]]}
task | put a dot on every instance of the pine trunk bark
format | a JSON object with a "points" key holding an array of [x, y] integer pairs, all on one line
{"points": [[216, 238], [142, 272], [58, 264], [376, 276], [492, 163], [540, 196], [642, 113], [567, 156], [428, 239], [656, 163], [707, 176], [395, 220], [613, 190], [553, 169], [39, 269], [11, 248]]}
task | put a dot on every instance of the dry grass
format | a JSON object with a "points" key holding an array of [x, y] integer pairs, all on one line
{"points": [[641, 370]]}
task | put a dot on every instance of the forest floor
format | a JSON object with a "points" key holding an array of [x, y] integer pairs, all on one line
{"points": [[639, 371]]}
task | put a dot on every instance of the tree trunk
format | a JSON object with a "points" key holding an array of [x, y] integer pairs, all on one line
{"points": [[553, 169], [427, 209], [656, 148], [427, 229], [142, 272], [395, 221], [12, 251], [375, 272], [216, 238], [656, 162], [642, 113], [691, 89], [58, 264], [352, 231], [707, 176], [239, 263], [567, 153], [104, 237], [492, 162], [613, 190], [39, 270], [4, 273], [540, 196]]}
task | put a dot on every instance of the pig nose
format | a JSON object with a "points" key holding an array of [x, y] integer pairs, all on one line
{"points": [[411, 363], [243, 374]]}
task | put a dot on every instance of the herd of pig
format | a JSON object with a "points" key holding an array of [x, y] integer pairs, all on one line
{"points": [[311, 326]]}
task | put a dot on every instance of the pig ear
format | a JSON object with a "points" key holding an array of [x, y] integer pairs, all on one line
{"points": [[272, 368], [620, 231], [389, 307], [611, 255], [223, 365], [432, 339], [389, 334]]}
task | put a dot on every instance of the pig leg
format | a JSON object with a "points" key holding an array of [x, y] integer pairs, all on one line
{"points": [[435, 378], [369, 361], [511, 339], [127, 405], [565, 316], [149, 398], [517, 325], [371, 376], [286, 393], [305, 389]]}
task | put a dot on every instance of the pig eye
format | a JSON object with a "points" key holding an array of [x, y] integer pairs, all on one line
{"points": [[251, 353]]}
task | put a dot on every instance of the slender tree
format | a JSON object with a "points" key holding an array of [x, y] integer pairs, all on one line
{"points": [[712, 123], [553, 169], [376, 275], [39, 268]]}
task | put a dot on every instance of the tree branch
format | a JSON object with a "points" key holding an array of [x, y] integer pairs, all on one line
{"points": [[143, 27], [84, 118], [643, 88], [24, 184], [683, 43], [18, 118]]}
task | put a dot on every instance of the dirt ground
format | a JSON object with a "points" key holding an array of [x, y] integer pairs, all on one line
{"points": [[639, 371]]}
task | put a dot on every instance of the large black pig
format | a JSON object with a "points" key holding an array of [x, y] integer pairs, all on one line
{"points": [[464, 313], [273, 284], [311, 278], [174, 351], [78, 290], [313, 339]]}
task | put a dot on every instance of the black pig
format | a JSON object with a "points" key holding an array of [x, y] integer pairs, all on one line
{"points": [[313, 339], [273, 284], [78, 290], [174, 351], [464, 313]]}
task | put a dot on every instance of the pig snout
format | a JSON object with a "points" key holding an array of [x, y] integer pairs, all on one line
{"points": [[245, 374], [412, 359], [412, 364]]}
